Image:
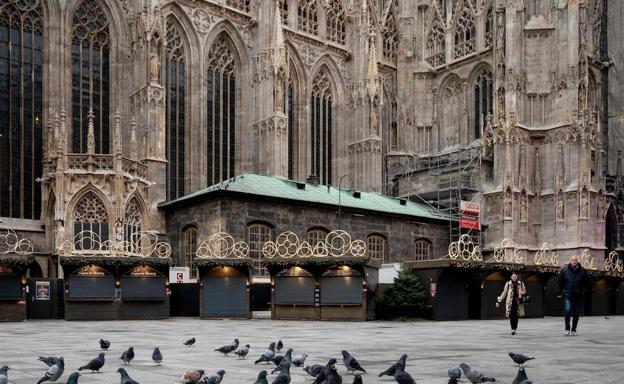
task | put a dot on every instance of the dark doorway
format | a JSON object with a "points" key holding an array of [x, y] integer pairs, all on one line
{"points": [[261, 297], [184, 300], [474, 298], [41, 298]]}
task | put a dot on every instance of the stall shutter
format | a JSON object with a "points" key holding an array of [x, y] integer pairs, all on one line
{"points": [[225, 296], [341, 290], [294, 290]]}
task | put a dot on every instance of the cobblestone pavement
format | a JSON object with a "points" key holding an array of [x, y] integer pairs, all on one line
{"points": [[594, 356]]}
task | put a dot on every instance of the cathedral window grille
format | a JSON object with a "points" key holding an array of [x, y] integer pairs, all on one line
{"points": [[221, 122], [377, 249], [390, 38], [132, 226], [465, 35], [321, 128], [243, 5], [483, 100], [257, 235], [290, 110], [317, 235], [90, 53], [190, 248], [283, 8], [307, 17], [336, 23], [21, 92], [90, 214], [175, 83], [422, 249], [435, 54], [489, 28]]}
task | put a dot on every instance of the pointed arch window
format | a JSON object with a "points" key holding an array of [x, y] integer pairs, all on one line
{"points": [[90, 53], [175, 83], [307, 17], [321, 128], [390, 38], [91, 221], [221, 123], [435, 50], [483, 100], [489, 28], [465, 35], [132, 226], [283, 9], [292, 124], [422, 249], [21, 91], [336, 23]]}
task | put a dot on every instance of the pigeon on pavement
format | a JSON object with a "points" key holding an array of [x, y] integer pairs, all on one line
{"points": [[49, 361], [127, 355], [157, 356], [268, 354], [333, 377], [454, 375], [54, 372], [322, 376], [313, 370], [390, 371], [351, 363], [4, 375], [125, 378], [403, 377], [262, 378], [299, 360], [284, 376], [475, 376], [228, 348], [287, 360], [104, 344], [279, 346], [519, 358], [521, 377], [73, 378], [357, 379], [189, 342], [242, 351], [94, 365], [191, 377], [213, 378]]}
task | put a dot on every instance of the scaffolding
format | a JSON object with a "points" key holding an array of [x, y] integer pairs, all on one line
{"points": [[458, 178]]}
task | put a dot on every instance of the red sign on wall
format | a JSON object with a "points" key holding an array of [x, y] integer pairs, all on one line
{"points": [[467, 222]]}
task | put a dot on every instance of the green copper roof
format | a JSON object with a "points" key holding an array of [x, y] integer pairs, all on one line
{"points": [[288, 189]]}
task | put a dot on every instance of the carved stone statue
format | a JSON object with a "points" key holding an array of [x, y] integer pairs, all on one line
{"points": [[373, 119], [523, 209], [584, 206], [154, 62], [508, 205], [560, 208], [279, 95], [60, 234]]}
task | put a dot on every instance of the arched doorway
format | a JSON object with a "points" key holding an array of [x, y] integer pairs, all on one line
{"points": [[535, 289], [451, 301], [491, 287]]}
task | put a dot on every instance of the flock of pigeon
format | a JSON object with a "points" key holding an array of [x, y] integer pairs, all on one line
{"points": [[322, 374]]}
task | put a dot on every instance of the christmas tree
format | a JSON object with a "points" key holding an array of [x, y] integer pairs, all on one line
{"points": [[407, 298]]}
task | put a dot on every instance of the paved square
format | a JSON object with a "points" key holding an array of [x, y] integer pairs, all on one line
{"points": [[595, 356]]}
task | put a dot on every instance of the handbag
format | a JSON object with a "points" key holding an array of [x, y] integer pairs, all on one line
{"points": [[526, 299]]}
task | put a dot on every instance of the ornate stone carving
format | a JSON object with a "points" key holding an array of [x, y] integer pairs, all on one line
{"points": [[277, 124], [309, 55]]}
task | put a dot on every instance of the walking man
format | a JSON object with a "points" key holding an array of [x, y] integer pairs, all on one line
{"points": [[573, 281]]}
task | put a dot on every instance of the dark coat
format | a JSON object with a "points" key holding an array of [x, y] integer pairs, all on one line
{"points": [[573, 281]]}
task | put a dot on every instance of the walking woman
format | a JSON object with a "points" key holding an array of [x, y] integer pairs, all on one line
{"points": [[512, 294]]}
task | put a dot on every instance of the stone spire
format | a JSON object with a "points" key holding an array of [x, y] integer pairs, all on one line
{"points": [[62, 132], [117, 125], [133, 141], [91, 133], [280, 62], [372, 87]]}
